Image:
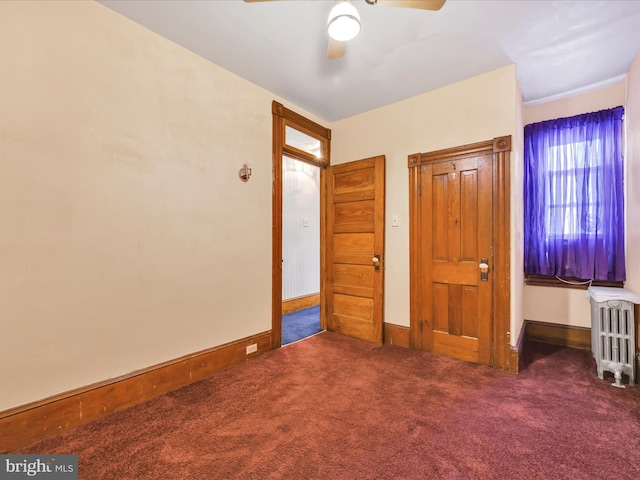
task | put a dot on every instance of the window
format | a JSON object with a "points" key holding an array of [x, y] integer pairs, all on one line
{"points": [[574, 197], [564, 215], [302, 141]]}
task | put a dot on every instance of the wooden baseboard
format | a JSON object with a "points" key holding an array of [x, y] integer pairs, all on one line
{"points": [[515, 353], [396, 335], [566, 335], [514, 360], [300, 303], [23, 425], [399, 335]]}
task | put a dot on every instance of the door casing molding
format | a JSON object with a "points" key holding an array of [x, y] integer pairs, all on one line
{"points": [[500, 147]]}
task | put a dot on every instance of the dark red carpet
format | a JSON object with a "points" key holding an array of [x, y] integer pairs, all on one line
{"points": [[331, 407]]}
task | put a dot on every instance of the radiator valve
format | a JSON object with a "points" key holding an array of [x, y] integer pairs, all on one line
{"points": [[617, 374]]}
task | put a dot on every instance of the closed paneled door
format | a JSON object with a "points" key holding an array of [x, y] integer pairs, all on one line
{"points": [[456, 249]]}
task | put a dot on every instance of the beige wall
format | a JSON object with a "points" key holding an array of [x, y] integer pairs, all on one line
{"points": [[632, 161], [591, 101], [127, 237], [474, 110], [562, 305]]}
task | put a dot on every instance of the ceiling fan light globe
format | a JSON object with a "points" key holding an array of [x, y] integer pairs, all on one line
{"points": [[344, 22]]}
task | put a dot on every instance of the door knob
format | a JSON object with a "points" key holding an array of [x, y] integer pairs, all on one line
{"points": [[376, 261], [484, 269]]}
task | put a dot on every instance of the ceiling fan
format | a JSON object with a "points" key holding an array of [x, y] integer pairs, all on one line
{"points": [[344, 21]]}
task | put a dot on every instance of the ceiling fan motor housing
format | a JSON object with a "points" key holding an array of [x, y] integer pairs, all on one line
{"points": [[344, 22]]}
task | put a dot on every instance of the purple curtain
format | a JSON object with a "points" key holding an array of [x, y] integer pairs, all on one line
{"points": [[574, 197]]}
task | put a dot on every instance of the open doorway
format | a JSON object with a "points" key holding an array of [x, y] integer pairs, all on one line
{"points": [[351, 230], [300, 250], [296, 137]]}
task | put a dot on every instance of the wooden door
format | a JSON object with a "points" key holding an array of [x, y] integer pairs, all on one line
{"points": [[456, 238], [355, 249]]}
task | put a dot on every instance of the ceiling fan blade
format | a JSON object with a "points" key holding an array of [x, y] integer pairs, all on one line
{"points": [[423, 4], [336, 49]]}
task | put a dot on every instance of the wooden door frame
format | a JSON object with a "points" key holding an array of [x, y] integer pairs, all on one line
{"points": [[282, 117], [500, 147]]}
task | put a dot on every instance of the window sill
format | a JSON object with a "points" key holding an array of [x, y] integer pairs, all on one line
{"points": [[550, 281]]}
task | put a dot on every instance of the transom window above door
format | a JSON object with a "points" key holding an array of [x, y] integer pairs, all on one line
{"points": [[302, 141], [304, 144]]}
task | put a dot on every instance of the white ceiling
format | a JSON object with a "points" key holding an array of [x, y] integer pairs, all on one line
{"points": [[558, 46]]}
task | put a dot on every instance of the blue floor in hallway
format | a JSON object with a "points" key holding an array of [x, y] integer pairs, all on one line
{"points": [[300, 324]]}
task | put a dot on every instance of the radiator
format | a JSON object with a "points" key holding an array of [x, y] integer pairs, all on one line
{"points": [[613, 332]]}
